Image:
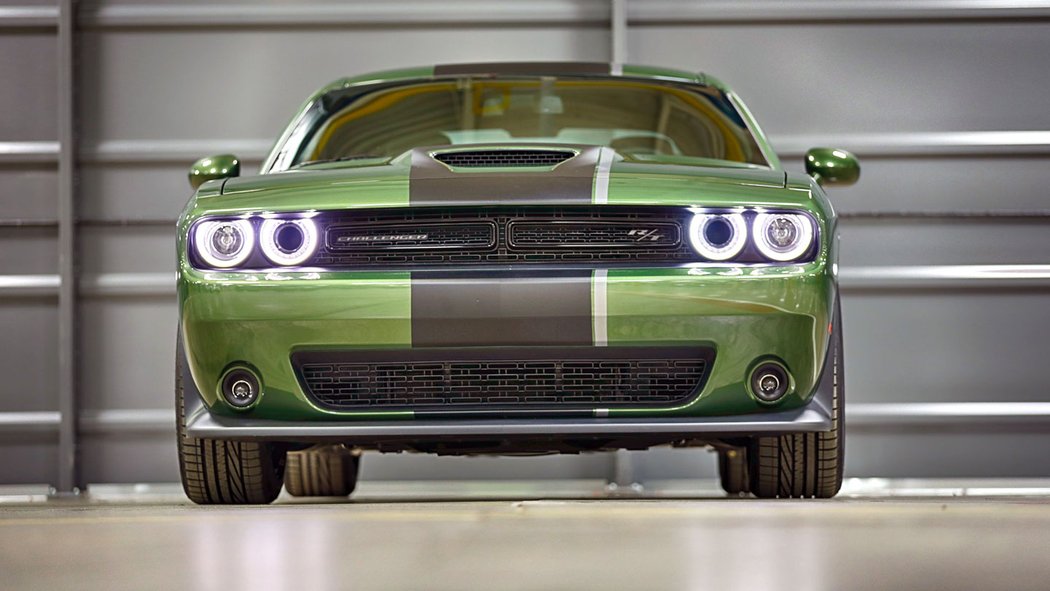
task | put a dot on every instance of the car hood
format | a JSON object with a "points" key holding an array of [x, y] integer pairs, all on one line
{"points": [[594, 175]]}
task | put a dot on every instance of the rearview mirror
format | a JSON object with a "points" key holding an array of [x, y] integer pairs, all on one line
{"points": [[830, 166], [214, 167]]}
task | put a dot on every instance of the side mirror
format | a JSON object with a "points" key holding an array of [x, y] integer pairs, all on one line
{"points": [[214, 167], [832, 167]]}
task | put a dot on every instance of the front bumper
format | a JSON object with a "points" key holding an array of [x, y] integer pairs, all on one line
{"points": [[746, 314], [814, 417]]}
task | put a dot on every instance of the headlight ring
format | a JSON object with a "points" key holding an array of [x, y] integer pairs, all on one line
{"points": [[288, 242], [782, 237], [224, 243], [718, 236]]}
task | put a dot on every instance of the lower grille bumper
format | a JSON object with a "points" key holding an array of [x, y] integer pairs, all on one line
{"points": [[503, 379]]}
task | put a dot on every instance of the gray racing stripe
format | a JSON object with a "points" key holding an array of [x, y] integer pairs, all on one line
{"points": [[524, 69], [433, 183], [501, 309]]}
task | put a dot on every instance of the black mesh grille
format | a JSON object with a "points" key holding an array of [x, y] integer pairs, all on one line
{"points": [[435, 237], [501, 158], [582, 377], [592, 234]]}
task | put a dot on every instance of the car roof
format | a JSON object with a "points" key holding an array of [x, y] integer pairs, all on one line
{"points": [[529, 69]]}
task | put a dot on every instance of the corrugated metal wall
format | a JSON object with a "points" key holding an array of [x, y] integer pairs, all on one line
{"points": [[945, 240]]}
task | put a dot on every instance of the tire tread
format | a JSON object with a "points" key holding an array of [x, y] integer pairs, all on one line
{"points": [[804, 465], [322, 471], [224, 472]]}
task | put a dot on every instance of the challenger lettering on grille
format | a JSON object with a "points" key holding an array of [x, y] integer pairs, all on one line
{"points": [[487, 235], [383, 238]]}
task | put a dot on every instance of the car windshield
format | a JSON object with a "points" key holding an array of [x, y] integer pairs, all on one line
{"points": [[637, 117]]}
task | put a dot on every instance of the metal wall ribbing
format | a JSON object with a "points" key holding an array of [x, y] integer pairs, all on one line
{"points": [[945, 268]]}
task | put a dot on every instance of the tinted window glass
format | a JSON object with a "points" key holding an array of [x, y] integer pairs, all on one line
{"points": [[636, 117]]}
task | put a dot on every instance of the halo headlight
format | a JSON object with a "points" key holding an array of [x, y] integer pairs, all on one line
{"points": [[288, 242], [782, 237], [224, 244], [717, 236]]}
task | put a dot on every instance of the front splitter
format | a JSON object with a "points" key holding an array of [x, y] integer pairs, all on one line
{"points": [[813, 417]]}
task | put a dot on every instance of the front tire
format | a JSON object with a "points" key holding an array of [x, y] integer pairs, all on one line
{"points": [[322, 471], [804, 465], [733, 471], [220, 472]]}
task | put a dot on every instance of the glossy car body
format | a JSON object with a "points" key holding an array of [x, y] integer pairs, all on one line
{"points": [[375, 298]]}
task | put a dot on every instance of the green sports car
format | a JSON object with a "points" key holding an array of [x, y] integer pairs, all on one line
{"points": [[512, 258]]}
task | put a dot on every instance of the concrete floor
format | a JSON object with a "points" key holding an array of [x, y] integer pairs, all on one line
{"points": [[513, 535]]}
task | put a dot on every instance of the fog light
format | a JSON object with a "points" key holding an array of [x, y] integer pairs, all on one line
{"points": [[240, 388], [770, 382]]}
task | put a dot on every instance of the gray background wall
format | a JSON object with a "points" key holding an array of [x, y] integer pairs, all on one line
{"points": [[945, 241]]}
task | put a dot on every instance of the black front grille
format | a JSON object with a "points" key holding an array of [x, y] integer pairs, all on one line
{"points": [[381, 237], [605, 236], [504, 379], [503, 158], [592, 234]]}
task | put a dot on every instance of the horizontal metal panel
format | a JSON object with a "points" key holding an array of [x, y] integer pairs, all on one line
{"points": [[875, 416], [1014, 451], [173, 151], [28, 251], [127, 249], [29, 93], [973, 345], [946, 277], [28, 460], [928, 186], [34, 17], [128, 456], [127, 349], [29, 422], [28, 152], [956, 143], [29, 192], [940, 414], [543, 11], [354, 14], [22, 286], [993, 216], [129, 194], [875, 242], [841, 78], [92, 422], [807, 11], [96, 422], [28, 340], [145, 86], [129, 284], [861, 279]]}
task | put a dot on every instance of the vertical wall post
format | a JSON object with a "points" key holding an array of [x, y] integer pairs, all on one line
{"points": [[68, 477], [619, 31]]}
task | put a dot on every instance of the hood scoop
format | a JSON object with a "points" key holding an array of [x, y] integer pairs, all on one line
{"points": [[504, 158]]}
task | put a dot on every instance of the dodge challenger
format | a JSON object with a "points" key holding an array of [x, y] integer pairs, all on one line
{"points": [[510, 259]]}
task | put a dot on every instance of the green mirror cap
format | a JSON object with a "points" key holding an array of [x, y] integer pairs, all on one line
{"points": [[832, 166], [214, 167]]}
